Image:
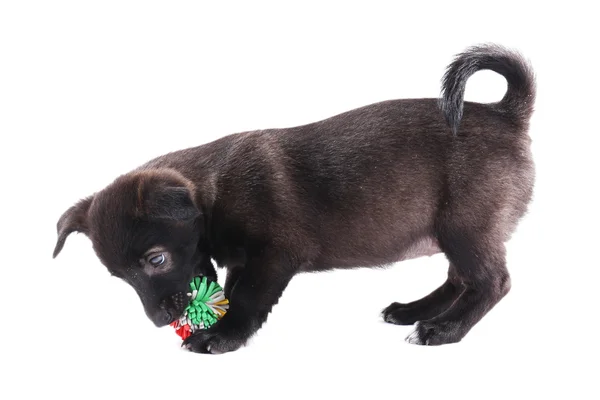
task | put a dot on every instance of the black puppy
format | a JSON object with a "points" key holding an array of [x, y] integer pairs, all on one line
{"points": [[387, 182]]}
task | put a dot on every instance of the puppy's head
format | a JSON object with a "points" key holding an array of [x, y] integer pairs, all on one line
{"points": [[146, 229]]}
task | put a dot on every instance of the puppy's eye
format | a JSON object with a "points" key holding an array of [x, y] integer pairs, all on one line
{"points": [[156, 260]]}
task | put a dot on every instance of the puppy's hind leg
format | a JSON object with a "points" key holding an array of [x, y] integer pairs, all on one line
{"points": [[478, 258], [428, 307]]}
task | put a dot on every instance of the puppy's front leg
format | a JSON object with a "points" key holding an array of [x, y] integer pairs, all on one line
{"points": [[233, 274], [256, 291]]}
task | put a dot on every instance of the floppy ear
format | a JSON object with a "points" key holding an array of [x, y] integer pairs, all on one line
{"points": [[171, 202], [73, 220]]}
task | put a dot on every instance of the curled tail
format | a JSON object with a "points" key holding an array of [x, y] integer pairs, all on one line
{"points": [[520, 95]]}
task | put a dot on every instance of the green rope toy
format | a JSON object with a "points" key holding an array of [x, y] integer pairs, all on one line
{"points": [[207, 305]]}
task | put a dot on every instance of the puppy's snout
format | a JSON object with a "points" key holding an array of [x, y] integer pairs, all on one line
{"points": [[167, 317], [170, 308], [162, 317], [179, 301]]}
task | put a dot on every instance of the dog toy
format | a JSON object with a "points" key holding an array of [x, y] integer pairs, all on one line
{"points": [[207, 305]]}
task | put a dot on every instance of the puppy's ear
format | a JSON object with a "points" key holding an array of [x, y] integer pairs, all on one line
{"points": [[172, 203], [73, 220]]}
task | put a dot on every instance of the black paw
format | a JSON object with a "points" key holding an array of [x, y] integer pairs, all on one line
{"points": [[208, 342], [400, 314], [435, 333], [217, 339]]}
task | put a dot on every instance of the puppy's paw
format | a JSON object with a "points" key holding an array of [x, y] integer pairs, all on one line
{"points": [[399, 314], [215, 340], [435, 333]]}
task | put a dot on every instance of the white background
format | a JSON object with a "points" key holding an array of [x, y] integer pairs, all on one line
{"points": [[90, 90]]}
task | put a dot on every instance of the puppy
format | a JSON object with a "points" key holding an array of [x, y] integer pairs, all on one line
{"points": [[383, 183]]}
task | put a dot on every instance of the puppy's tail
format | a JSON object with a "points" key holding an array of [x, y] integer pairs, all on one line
{"points": [[519, 98]]}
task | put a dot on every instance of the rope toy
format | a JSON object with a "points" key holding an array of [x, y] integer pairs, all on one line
{"points": [[207, 305]]}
